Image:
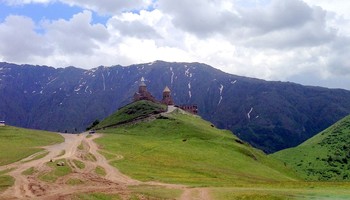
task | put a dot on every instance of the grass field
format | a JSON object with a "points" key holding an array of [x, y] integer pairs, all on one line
{"points": [[140, 192], [56, 171], [75, 181], [188, 150], [18, 143], [38, 156], [100, 171], [96, 196], [5, 180], [295, 190], [79, 164], [325, 156], [29, 171], [184, 149], [155, 192]]}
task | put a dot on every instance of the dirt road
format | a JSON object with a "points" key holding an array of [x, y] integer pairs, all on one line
{"points": [[75, 149]]}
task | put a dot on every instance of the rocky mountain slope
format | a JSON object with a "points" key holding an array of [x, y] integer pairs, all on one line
{"points": [[268, 115]]}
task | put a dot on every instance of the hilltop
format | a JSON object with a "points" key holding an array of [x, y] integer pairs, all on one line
{"points": [[269, 115], [184, 149], [129, 113], [326, 156]]}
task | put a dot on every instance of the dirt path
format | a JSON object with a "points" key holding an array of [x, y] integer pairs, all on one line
{"points": [[77, 148]]}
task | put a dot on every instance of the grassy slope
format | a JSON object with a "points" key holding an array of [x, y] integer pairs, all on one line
{"points": [[291, 190], [138, 109], [5, 180], [186, 149], [18, 143], [325, 156]]}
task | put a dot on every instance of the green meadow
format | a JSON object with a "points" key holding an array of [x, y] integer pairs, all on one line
{"points": [[188, 150], [184, 149], [285, 190], [56, 171], [324, 157], [96, 196], [5, 180], [19, 143]]}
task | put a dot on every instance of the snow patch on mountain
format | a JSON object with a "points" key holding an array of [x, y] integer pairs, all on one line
{"points": [[104, 82], [187, 73], [248, 114], [172, 75], [51, 81], [221, 88]]}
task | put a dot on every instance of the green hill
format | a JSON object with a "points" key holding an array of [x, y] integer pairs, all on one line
{"points": [[134, 111], [325, 156], [181, 148], [18, 143]]}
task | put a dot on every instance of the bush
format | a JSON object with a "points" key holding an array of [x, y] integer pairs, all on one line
{"points": [[93, 124]]}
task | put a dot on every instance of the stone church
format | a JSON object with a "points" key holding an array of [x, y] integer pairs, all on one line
{"points": [[143, 94]]}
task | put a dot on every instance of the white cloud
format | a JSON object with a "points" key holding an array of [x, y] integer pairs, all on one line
{"points": [[20, 42], [109, 6], [340, 7], [76, 36], [201, 17], [102, 7], [133, 28]]}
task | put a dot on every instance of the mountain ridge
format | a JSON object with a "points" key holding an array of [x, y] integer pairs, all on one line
{"points": [[270, 115]]}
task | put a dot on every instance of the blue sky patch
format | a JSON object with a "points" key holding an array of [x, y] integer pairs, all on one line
{"points": [[52, 11]]}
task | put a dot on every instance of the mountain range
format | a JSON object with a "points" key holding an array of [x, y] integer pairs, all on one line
{"points": [[269, 115]]}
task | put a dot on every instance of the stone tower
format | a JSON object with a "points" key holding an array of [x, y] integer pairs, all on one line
{"points": [[167, 97], [143, 94], [142, 86]]}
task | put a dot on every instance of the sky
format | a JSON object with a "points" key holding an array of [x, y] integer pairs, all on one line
{"points": [[302, 41]]}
